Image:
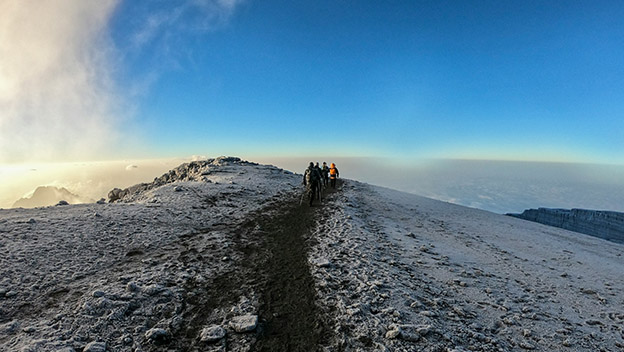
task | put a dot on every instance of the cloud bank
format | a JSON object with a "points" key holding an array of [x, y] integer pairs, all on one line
{"points": [[57, 94], [62, 94], [497, 186]]}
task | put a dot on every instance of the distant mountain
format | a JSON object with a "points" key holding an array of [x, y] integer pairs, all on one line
{"points": [[608, 225], [49, 195]]}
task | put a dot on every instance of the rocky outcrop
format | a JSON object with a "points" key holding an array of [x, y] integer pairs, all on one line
{"points": [[193, 171], [608, 225]]}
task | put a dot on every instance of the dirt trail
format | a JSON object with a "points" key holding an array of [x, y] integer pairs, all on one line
{"points": [[290, 319], [271, 269]]}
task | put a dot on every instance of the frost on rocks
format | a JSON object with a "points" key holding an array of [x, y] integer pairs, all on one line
{"points": [[413, 274], [393, 332], [212, 333], [95, 347], [10, 327], [322, 263], [132, 287], [157, 335], [152, 290], [244, 323], [67, 349], [146, 260]]}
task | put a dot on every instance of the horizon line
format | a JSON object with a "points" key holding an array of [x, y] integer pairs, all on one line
{"points": [[322, 155]]}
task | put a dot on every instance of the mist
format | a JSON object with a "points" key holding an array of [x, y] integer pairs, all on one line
{"points": [[505, 186], [496, 186], [86, 180], [58, 97]]}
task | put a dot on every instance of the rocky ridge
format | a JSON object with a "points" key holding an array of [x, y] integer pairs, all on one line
{"points": [[198, 171], [608, 225]]}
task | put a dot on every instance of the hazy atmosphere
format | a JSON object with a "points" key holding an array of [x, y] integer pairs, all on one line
{"points": [[496, 186], [407, 95]]}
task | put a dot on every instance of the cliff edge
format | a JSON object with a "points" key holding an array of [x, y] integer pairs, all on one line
{"points": [[608, 225]]}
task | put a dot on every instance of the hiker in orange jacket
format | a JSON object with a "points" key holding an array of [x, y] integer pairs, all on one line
{"points": [[333, 174]]}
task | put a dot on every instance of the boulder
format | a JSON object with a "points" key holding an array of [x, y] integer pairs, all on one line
{"points": [[244, 323], [212, 333], [95, 346]]}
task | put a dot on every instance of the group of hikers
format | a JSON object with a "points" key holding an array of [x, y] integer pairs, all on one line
{"points": [[317, 177]]}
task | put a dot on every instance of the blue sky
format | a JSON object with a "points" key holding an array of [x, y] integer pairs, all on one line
{"points": [[514, 80], [476, 79]]}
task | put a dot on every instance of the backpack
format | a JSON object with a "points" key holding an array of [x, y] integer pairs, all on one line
{"points": [[311, 176]]}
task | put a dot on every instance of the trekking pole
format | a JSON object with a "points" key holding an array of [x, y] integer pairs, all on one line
{"points": [[302, 195]]}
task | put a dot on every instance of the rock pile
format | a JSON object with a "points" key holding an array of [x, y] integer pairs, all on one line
{"points": [[193, 171]]}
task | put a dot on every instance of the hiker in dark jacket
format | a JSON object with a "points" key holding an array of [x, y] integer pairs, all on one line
{"points": [[312, 181], [320, 184], [325, 174]]}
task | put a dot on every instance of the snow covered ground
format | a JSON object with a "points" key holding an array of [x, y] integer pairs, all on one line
{"points": [[80, 274], [198, 264], [405, 273]]}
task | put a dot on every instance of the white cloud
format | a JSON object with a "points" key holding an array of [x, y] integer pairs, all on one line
{"points": [[229, 4], [198, 157], [60, 98], [166, 24], [57, 95]]}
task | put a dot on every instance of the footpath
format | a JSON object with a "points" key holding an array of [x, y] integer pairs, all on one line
{"points": [[290, 320], [270, 278]]}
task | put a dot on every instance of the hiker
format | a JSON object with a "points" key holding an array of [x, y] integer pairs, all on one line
{"points": [[319, 189], [325, 174], [333, 174], [312, 179]]}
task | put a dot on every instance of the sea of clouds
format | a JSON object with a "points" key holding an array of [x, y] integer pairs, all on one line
{"points": [[496, 186]]}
